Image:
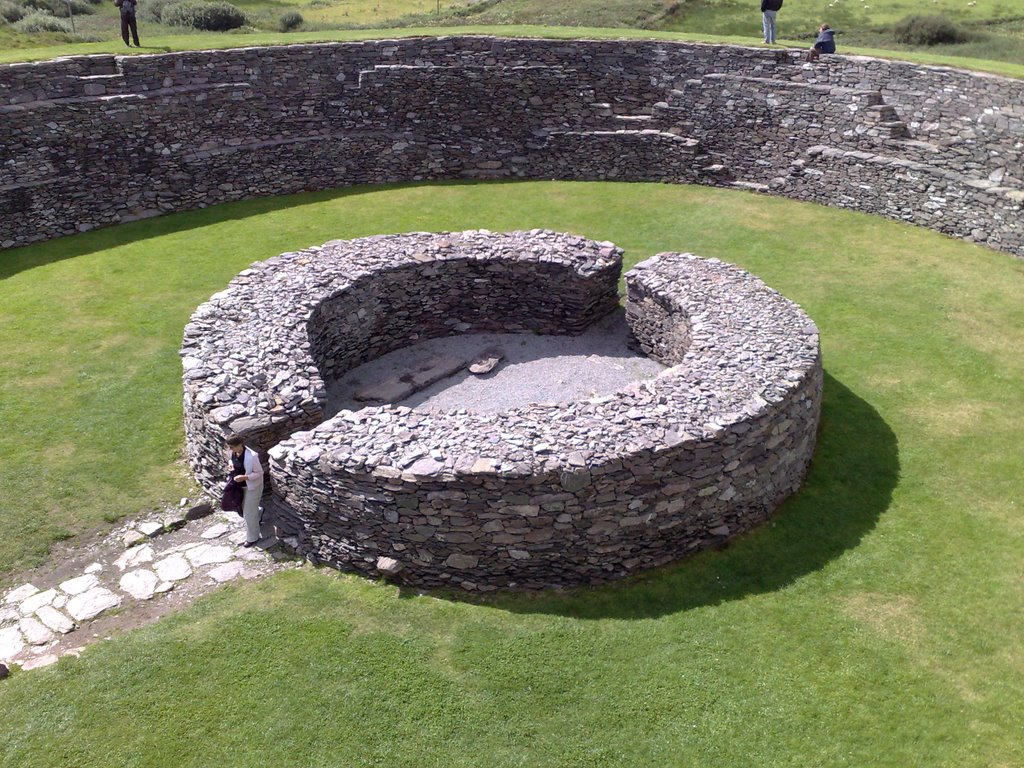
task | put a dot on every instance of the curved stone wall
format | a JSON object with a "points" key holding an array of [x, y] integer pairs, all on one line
{"points": [[531, 497], [96, 140], [257, 354]]}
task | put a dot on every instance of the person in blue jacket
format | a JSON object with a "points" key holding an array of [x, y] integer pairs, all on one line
{"points": [[826, 43], [769, 9]]}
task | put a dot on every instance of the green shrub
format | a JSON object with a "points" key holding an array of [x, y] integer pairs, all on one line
{"points": [[59, 8], [290, 20], [929, 30], [41, 21], [200, 14], [153, 10], [11, 12]]}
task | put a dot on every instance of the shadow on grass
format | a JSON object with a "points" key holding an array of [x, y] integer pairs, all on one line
{"points": [[850, 484], [46, 252]]}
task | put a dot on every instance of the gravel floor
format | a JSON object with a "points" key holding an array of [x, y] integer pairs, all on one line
{"points": [[535, 369]]}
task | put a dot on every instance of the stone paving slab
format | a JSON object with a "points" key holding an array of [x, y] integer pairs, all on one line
{"points": [[171, 557], [92, 603]]}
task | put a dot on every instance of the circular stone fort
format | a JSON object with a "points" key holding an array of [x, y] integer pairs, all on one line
{"points": [[572, 493], [533, 496]]}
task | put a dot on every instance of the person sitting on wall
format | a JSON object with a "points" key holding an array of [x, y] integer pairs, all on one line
{"points": [[826, 43], [128, 22], [769, 10]]}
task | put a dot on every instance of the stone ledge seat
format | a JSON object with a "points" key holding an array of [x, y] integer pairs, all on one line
{"points": [[542, 495]]}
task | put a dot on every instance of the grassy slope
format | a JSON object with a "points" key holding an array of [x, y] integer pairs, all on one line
{"points": [[874, 622]]}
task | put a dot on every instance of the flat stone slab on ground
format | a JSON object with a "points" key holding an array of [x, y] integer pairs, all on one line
{"points": [[20, 593], [55, 620], [140, 584], [395, 389], [35, 632], [215, 531], [151, 529], [12, 642], [132, 537], [387, 391], [226, 572], [486, 361], [91, 604], [134, 557], [40, 661], [173, 568], [79, 585], [37, 601], [208, 554], [436, 368]]}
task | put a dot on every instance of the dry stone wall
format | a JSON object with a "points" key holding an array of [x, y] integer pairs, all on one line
{"points": [[258, 355], [96, 140], [546, 494]]}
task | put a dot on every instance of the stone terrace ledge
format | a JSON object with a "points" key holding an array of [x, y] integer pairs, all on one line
{"points": [[542, 495]]}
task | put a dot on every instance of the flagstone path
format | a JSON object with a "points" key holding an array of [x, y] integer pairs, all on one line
{"points": [[143, 570]]}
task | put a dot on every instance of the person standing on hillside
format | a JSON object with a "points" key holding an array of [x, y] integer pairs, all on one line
{"points": [[128, 22], [769, 9]]}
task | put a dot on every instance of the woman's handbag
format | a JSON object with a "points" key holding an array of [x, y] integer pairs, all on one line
{"points": [[233, 496]]}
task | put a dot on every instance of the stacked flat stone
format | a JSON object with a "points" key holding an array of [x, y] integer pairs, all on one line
{"points": [[543, 495], [96, 140], [257, 354]]}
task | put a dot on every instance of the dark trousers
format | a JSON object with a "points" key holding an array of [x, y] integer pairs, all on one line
{"points": [[128, 22]]}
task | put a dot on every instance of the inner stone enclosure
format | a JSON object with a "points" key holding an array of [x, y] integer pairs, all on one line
{"points": [[534, 496]]}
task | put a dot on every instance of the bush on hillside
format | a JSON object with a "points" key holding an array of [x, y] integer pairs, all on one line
{"points": [[153, 10], [290, 20], [59, 8], [11, 12], [41, 21], [929, 30], [199, 14]]}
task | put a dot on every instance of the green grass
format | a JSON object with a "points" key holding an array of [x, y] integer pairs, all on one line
{"points": [[876, 621]]}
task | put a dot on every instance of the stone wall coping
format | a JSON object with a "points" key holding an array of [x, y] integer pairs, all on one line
{"points": [[749, 349], [462, 38], [246, 350]]}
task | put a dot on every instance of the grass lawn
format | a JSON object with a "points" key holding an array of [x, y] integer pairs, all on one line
{"points": [[876, 621]]}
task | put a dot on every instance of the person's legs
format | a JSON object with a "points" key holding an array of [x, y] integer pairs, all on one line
{"points": [[124, 29], [813, 54], [251, 514], [768, 25], [135, 29]]}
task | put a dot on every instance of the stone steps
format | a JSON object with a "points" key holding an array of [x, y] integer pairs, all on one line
{"points": [[1012, 191], [761, 97], [119, 97], [865, 96]]}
